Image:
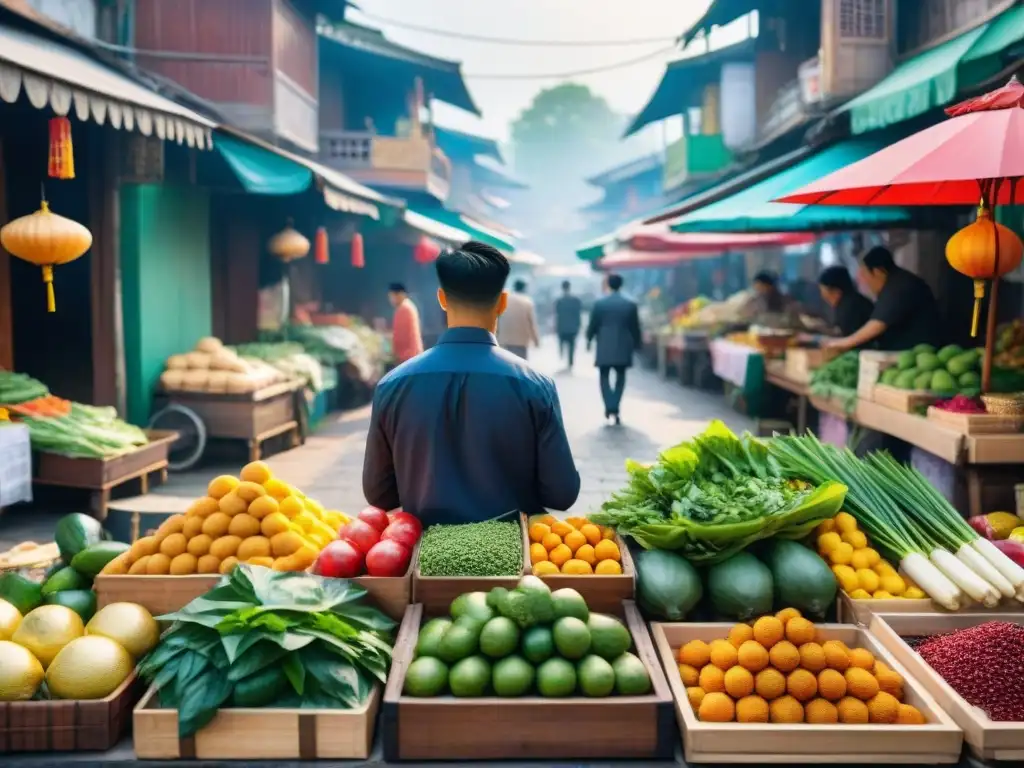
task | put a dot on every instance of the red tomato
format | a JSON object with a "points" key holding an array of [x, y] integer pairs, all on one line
{"points": [[398, 514], [402, 531], [360, 533], [339, 560], [378, 518], [387, 558]]}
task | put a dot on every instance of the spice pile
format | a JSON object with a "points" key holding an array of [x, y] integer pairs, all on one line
{"points": [[961, 404], [779, 670], [984, 664], [492, 548]]}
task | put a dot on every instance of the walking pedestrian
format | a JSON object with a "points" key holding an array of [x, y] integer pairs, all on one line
{"points": [[568, 320], [406, 338], [615, 325], [467, 431], [517, 329]]}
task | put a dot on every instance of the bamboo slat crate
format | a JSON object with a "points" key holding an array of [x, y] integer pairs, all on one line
{"points": [[68, 726], [436, 593], [871, 365], [257, 734], [529, 727], [604, 594], [800, 362], [988, 739], [977, 423], [861, 612], [902, 400], [938, 741]]}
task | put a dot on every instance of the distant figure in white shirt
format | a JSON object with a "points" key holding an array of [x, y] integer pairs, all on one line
{"points": [[517, 327]]}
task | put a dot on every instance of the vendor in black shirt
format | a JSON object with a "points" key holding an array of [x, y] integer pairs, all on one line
{"points": [[906, 313], [851, 309]]}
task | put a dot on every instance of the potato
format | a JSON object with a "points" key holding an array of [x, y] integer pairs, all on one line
{"points": [[198, 360], [176, 362], [209, 344], [172, 380]]}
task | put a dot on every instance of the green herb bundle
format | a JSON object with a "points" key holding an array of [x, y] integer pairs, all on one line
{"points": [[267, 638], [837, 379], [490, 548], [715, 495]]}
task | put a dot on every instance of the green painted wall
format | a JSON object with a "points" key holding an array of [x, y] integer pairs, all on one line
{"points": [[165, 282]]}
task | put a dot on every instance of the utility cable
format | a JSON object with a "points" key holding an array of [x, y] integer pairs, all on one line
{"points": [[578, 73]]}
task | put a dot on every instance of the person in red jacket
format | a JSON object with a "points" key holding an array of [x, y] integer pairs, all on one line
{"points": [[406, 341]]}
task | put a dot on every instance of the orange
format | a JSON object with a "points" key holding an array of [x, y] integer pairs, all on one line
{"points": [[208, 564], [193, 527], [586, 554], [608, 568], [158, 565], [537, 553], [287, 543], [255, 546], [696, 653], [538, 531], [560, 555], [576, 522], [173, 524], [244, 526], [723, 655], [263, 506], [249, 492], [232, 504], [216, 525], [689, 675], [607, 533], [799, 631], [548, 520], [562, 528], [144, 547], [740, 633], [174, 545], [576, 567], [266, 562], [227, 564], [551, 540], [140, 566], [574, 540], [199, 545], [256, 472], [182, 565], [221, 486], [277, 488], [545, 568], [607, 550], [291, 506], [274, 523], [225, 547], [768, 630], [592, 533], [203, 507]]}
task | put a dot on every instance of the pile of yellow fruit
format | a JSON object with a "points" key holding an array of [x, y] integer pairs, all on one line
{"points": [[574, 546], [779, 671], [860, 570], [253, 518]]}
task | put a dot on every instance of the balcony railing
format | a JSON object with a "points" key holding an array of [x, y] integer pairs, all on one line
{"points": [[411, 162]]}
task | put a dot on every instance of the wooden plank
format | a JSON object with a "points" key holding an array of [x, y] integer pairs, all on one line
{"points": [[977, 423], [941, 441], [782, 382], [995, 449], [904, 400], [829, 405]]}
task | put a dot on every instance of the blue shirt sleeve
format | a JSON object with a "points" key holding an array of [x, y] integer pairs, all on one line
{"points": [[380, 485], [557, 479]]}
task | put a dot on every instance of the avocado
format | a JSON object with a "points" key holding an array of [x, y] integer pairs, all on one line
{"points": [[556, 678], [460, 640], [969, 379], [906, 360], [942, 382], [429, 641], [538, 644], [631, 678], [923, 380], [472, 604], [572, 638], [499, 637], [906, 379], [927, 361], [888, 376], [569, 602], [920, 349], [512, 676], [470, 677], [963, 363], [609, 636], [595, 676], [426, 676], [948, 352]]}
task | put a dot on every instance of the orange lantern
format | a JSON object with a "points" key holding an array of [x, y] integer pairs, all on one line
{"points": [[321, 248], [358, 255], [983, 250], [45, 239], [288, 244]]}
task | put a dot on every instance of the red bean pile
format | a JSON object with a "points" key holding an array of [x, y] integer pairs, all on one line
{"points": [[984, 664]]}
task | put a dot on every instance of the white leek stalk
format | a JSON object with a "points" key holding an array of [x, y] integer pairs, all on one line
{"points": [[1013, 572], [971, 583], [977, 562], [932, 581]]}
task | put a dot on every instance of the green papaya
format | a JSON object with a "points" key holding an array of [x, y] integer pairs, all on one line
{"points": [[64, 579], [21, 592]]}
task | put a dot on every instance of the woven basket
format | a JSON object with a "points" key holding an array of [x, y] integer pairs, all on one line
{"points": [[1004, 405], [23, 559]]}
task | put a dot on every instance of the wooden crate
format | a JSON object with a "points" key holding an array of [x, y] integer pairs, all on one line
{"points": [[436, 593], [987, 739], [850, 611], [977, 423], [99, 474], [903, 400], [800, 362], [68, 726], [938, 741], [257, 734], [530, 727], [871, 365], [604, 594]]}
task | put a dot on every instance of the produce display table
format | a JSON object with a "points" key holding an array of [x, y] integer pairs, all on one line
{"points": [[743, 367], [101, 476], [778, 379]]}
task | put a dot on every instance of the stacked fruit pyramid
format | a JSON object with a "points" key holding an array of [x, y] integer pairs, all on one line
{"points": [[253, 518], [780, 671], [574, 546], [860, 571]]}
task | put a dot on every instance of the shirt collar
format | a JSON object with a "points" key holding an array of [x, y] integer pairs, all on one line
{"points": [[466, 335]]}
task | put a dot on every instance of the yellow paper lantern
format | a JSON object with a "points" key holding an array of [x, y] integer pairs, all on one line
{"points": [[983, 250], [288, 244], [45, 239]]}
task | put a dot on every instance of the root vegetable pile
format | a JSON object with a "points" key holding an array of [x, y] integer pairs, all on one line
{"points": [[474, 549], [984, 664]]}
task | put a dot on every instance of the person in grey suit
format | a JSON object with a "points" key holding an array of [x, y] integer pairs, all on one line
{"points": [[615, 323], [568, 320]]}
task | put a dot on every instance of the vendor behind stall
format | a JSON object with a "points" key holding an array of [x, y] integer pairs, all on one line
{"points": [[906, 313], [851, 309], [769, 305]]}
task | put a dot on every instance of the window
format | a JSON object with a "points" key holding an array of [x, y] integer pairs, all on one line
{"points": [[863, 19]]}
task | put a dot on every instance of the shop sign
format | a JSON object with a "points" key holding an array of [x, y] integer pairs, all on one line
{"points": [[142, 162]]}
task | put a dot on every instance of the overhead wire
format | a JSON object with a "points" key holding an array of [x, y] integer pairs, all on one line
{"points": [[577, 73]]}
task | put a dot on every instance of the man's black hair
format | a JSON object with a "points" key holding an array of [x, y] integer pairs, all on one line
{"points": [[397, 288], [615, 281], [879, 257], [836, 277], [473, 274], [566, 286], [767, 277], [519, 286]]}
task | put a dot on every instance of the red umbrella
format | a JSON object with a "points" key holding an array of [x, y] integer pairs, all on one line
{"points": [[702, 242], [626, 258]]}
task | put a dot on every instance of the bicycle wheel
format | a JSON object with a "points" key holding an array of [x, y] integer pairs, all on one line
{"points": [[186, 451]]}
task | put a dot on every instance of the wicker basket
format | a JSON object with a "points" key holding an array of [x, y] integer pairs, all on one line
{"points": [[29, 558], [1004, 405]]}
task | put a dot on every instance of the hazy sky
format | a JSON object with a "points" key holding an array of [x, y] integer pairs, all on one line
{"points": [[627, 89]]}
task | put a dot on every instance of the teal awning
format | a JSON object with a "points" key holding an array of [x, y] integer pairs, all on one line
{"points": [[260, 171], [752, 209], [592, 250], [934, 78], [457, 222]]}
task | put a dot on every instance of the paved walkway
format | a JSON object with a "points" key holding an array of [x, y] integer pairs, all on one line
{"points": [[656, 414]]}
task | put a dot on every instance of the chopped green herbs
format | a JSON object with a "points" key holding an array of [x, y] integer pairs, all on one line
{"points": [[474, 549]]}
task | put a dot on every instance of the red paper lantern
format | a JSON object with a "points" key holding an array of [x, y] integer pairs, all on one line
{"points": [[62, 156], [321, 249], [358, 255], [426, 250]]}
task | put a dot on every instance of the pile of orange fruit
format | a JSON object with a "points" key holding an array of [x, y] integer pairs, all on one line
{"points": [[253, 518], [573, 546], [779, 670]]}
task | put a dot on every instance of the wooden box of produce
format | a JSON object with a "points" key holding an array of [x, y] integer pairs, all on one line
{"points": [[68, 726], [903, 400], [938, 740], [99, 474], [851, 611], [527, 727], [436, 593], [977, 423], [257, 734], [604, 593], [800, 362], [986, 738], [871, 366]]}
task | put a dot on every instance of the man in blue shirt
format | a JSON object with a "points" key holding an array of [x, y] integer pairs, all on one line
{"points": [[467, 431]]}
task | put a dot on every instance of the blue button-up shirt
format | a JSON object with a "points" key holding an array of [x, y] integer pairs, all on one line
{"points": [[466, 432]]}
